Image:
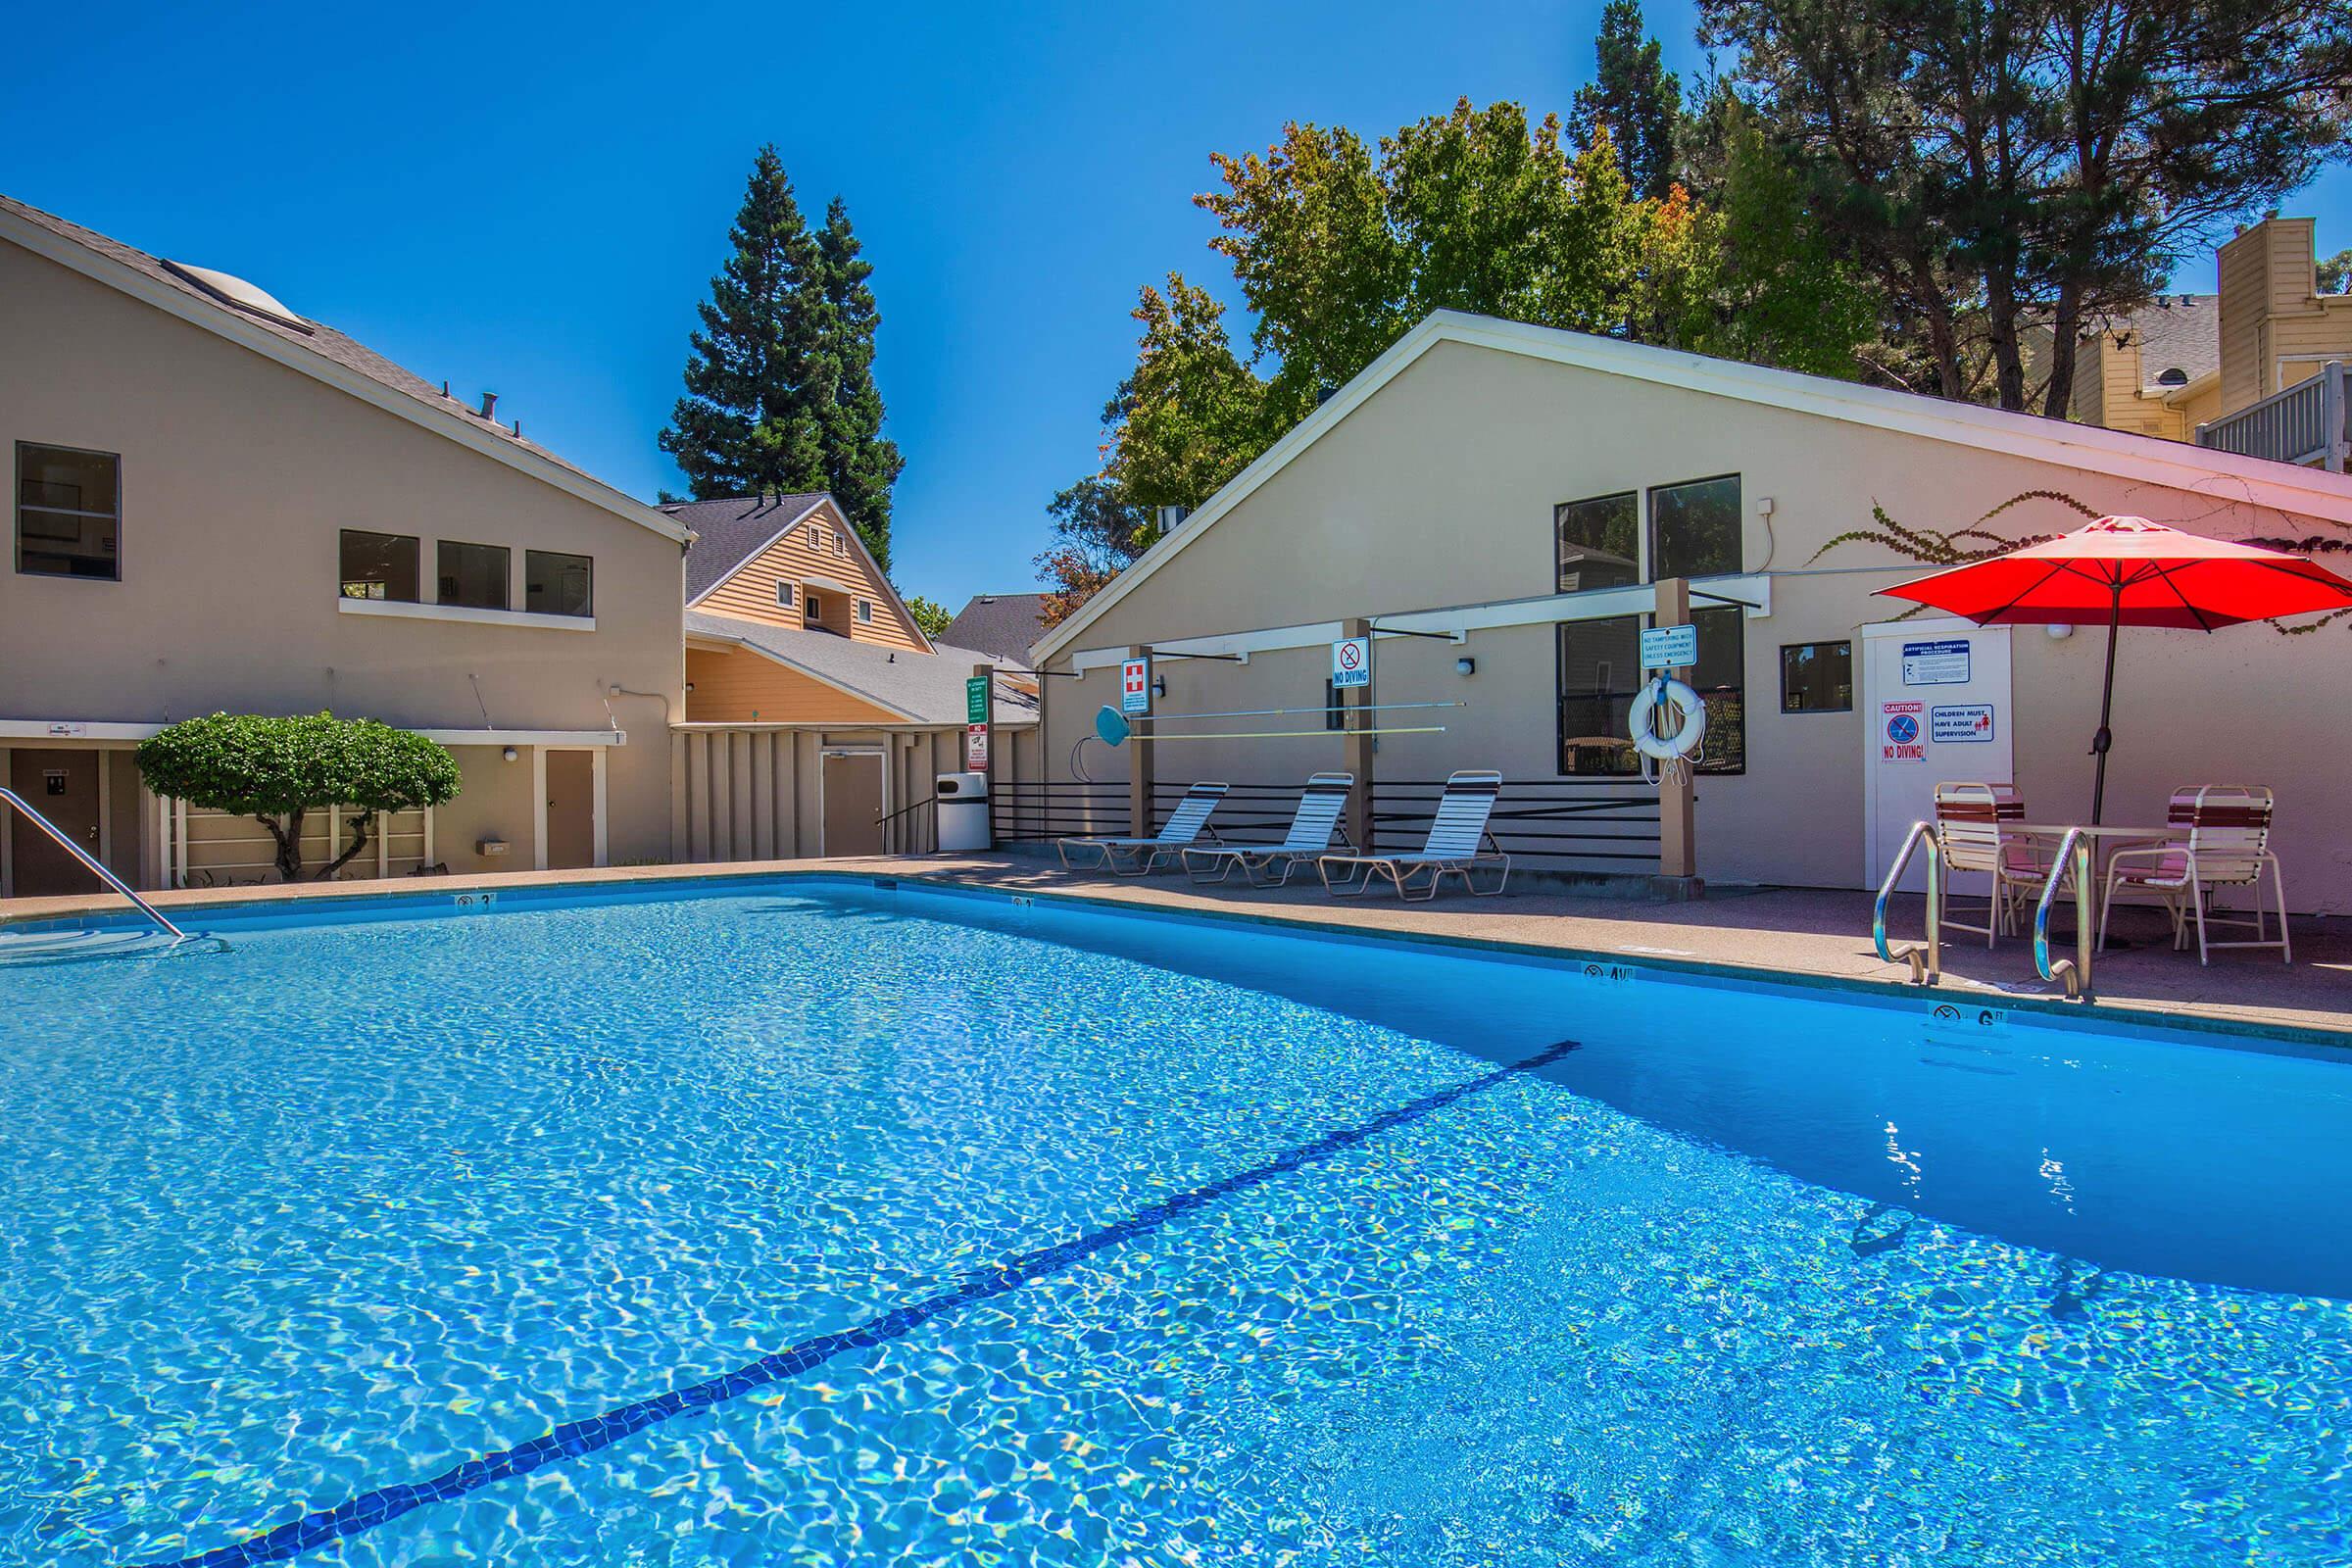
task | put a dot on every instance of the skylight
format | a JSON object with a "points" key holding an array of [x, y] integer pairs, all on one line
{"points": [[235, 292]]}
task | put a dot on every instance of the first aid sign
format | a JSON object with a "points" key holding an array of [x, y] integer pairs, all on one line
{"points": [[1135, 686]]}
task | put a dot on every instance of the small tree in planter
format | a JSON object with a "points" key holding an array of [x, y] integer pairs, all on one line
{"points": [[276, 770]]}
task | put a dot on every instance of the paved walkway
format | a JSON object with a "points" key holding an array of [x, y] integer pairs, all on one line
{"points": [[1811, 933]]}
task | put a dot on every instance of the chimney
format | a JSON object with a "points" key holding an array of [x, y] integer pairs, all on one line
{"points": [[1170, 516], [489, 403]]}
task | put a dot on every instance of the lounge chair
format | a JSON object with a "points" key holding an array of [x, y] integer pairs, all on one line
{"points": [[1309, 837], [2227, 844], [1139, 857], [1458, 840], [1971, 836]]}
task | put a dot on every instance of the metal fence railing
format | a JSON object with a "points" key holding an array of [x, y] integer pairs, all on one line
{"points": [[2309, 422], [1036, 811]]}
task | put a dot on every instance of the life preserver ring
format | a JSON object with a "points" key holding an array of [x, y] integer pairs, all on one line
{"points": [[1685, 740]]}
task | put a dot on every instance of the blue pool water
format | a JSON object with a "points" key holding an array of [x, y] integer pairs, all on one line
{"points": [[820, 1223]]}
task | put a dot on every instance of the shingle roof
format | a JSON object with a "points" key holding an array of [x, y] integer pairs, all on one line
{"points": [[927, 688], [1002, 624], [319, 338], [2182, 332], [731, 530]]}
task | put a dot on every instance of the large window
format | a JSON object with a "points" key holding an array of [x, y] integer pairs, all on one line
{"points": [[1694, 529], [379, 566], [1720, 678], [557, 583], [1601, 671], [476, 576], [1597, 542], [69, 513], [1817, 677]]}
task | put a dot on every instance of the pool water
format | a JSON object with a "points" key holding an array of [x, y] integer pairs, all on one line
{"points": [[821, 1222]]}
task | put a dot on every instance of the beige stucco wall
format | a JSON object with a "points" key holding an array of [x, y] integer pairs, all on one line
{"points": [[237, 475], [1438, 491]]}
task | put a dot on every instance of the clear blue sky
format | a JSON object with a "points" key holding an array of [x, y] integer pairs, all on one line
{"points": [[532, 199]]}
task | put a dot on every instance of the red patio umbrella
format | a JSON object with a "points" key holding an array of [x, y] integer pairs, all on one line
{"points": [[2128, 571]]}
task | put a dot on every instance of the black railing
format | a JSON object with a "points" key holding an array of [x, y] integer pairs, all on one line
{"points": [[1549, 823]]}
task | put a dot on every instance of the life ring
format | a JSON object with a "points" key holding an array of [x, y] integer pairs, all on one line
{"points": [[1684, 741]]}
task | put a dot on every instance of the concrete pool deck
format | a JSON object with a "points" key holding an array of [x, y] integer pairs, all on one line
{"points": [[1808, 934]]}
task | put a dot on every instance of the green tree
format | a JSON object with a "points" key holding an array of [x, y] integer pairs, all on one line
{"points": [[933, 617], [1782, 295], [780, 391], [2335, 273], [1191, 415], [860, 463], [1633, 98], [1097, 534], [277, 770]]}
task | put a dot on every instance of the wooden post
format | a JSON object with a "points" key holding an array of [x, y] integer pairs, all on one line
{"points": [[1678, 845], [1140, 758], [988, 718], [1357, 720]]}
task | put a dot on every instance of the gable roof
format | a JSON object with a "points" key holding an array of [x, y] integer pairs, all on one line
{"points": [[312, 347], [920, 688], [731, 530], [746, 526], [2175, 464], [2179, 332], [1002, 624]]}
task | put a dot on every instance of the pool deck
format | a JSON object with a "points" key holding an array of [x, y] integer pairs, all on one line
{"points": [[1809, 934]]}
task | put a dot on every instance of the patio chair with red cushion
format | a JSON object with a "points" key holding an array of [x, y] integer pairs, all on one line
{"points": [[2224, 840], [1971, 836]]}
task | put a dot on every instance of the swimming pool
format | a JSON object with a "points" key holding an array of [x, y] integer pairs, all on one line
{"points": [[815, 1221]]}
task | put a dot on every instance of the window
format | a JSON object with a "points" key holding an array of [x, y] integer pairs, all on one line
{"points": [[813, 608], [1598, 541], [476, 576], [69, 513], [841, 543], [1817, 677], [817, 537], [783, 596], [558, 583], [1335, 713], [379, 566], [1694, 528], [1601, 671], [865, 611]]}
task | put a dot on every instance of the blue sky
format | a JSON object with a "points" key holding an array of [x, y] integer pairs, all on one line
{"points": [[532, 199]]}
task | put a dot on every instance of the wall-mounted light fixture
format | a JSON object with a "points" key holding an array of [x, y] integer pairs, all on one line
{"points": [[510, 754], [1159, 685], [1465, 666], [2058, 631]]}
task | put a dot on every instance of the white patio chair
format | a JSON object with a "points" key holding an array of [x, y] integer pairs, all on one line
{"points": [[2228, 844], [1458, 840], [1311, 827], [1128, 857], [1970, 837]]}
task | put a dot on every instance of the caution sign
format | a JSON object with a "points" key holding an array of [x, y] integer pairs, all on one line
{"points": [[1351, 663], [975, 748], [1899, 737], [1135, 686]]}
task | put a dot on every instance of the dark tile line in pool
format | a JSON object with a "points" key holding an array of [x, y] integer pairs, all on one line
{"points": [[587, 1436]]}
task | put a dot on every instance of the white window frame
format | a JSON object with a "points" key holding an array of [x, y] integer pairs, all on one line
{"points": [[865, 611], [788, 596]]}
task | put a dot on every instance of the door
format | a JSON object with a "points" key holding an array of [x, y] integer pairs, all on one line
{"points": [[571, 809], [1936, 707], [62, 786], [853, 803]]}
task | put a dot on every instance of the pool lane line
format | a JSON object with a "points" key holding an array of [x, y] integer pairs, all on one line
{"points": [[576, 1438]]}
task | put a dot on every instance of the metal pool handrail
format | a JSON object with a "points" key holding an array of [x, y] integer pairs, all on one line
{"points": [[1925, 959], [2074, 850], [90, 860]]}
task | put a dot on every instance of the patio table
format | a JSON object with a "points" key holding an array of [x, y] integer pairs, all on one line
{"points": [[2105, 838]]}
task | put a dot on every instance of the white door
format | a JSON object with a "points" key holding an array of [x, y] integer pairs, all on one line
{"points": [[1935, 706]]}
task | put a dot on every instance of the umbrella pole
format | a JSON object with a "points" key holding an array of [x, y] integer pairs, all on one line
{"points": [[2103, 739]]}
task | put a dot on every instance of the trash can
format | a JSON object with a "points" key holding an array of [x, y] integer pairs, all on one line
{"points": [[962, 811]]}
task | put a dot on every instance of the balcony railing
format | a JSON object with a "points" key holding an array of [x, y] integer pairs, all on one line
{"points": [[2309, 422]]}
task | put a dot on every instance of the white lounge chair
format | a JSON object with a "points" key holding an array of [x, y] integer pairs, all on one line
{"points": [[1973, 835], [1311, 827], [1458, 840], [2227, 844], [1138, 857]]}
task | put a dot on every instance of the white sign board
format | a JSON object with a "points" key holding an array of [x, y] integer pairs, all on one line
{"points": [[1899, 737], [1943, 662], [975, 748], [1669, 647], [1135, 686], [1961, 723], [1351, 663]]}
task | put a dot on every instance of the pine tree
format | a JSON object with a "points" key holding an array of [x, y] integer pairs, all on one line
{"points": [[860, 463], [1632, 96], [744, 425]]}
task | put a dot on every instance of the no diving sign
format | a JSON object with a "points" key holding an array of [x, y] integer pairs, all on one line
{"points": [[1899, 737], [1351, 663]]}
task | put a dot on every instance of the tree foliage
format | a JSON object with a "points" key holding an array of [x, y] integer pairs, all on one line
{"points": [[932, 616], [1098, 533], [1633, 98], [2335, 273], [780, 393], [276, 770], [2006, 169]]}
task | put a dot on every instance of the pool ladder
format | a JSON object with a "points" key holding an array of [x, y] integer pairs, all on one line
{"points": [[96, 867], [1926, 957]]}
